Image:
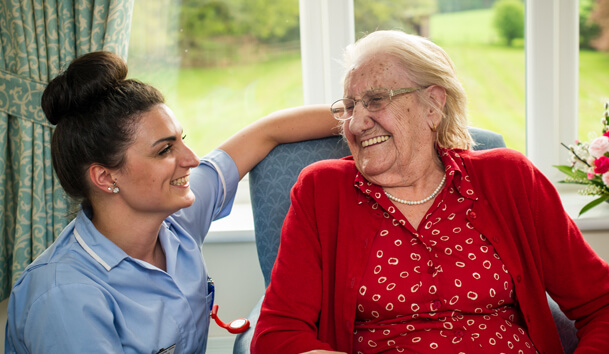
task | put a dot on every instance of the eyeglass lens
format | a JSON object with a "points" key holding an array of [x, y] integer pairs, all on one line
{"points": [[373, 101]]}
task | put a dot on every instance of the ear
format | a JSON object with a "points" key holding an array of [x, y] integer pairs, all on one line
{"points": [[101, 178], [437, 94], [437, 97]]}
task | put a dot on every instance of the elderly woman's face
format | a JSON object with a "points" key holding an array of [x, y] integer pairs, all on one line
{"points": [[388, 143]]}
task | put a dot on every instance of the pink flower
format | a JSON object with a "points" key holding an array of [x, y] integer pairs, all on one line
{"points": [[599, 146], [601, 165], [590, 175], [606, 179], [606, 134]]}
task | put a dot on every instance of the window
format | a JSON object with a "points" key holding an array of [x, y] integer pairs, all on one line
{"points": [[220, 64], [492, 73], [593, 66], [214, 102], [550, 77]]}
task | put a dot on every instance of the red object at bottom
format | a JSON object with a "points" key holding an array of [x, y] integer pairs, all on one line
{"points": [[239, 325]]}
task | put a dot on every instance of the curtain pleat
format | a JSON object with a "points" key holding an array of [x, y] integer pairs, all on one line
{"points": [[38, 40]]}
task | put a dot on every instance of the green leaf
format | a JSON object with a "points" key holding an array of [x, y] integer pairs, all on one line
{"points": [[575, 182], [593, 203], [568, 170], [564, 169]]}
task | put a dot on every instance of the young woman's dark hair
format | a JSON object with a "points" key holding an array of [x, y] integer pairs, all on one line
{"points": [[95, 110]]}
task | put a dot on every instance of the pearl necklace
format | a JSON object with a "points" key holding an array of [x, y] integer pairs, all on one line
{"points": [[417, 202]]}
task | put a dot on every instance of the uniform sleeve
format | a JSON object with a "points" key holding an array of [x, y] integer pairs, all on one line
{"points": [[292, 303], [59, 321], [214, 183]]}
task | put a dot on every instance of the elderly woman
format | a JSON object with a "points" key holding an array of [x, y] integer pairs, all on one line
{"points": [[126, 275], [418, 244]]}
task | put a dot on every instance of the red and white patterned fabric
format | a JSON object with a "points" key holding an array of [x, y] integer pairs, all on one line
{"points": [[441, 287]]}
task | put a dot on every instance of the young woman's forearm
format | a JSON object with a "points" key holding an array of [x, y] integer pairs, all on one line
{"points": [[252, 143]]}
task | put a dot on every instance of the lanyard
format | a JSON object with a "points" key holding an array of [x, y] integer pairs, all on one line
{"points": [[211, 289]]}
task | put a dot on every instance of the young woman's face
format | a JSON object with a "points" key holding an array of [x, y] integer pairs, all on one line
{"points": [[155, 176]]}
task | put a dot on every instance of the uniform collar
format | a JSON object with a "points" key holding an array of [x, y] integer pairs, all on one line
{"points": [[100, 248], [106, 252]]}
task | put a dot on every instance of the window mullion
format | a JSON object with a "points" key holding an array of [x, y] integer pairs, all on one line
{"points": [[326, 28], [552, 62]]}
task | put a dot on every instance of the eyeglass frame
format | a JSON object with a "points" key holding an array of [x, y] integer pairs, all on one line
{"points": [[392, 93]]}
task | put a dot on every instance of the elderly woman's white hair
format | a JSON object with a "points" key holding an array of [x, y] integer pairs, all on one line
{"points": [[426, 64]]}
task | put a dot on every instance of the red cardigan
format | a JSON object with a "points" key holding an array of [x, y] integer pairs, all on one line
{"points": [[311, 301]]}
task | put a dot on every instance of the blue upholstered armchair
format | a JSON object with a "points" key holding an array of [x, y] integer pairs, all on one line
{"points": [[270, 184]]}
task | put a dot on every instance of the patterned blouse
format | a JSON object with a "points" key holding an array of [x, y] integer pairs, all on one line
{"points": [[441, 288]]}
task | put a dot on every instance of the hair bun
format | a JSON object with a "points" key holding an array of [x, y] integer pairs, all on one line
{"points": [[75, 91]]}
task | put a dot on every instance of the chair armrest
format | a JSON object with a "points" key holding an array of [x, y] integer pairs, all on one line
{"points": [[566, 327]]}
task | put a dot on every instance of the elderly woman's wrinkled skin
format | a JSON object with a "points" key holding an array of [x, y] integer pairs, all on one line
{"points": [[406, 122]]}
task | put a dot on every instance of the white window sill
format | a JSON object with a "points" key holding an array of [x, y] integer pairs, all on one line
{"points": [[238, 226], [595, 219]]}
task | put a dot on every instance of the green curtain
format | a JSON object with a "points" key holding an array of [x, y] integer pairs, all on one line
{"points": [[38, 39]]}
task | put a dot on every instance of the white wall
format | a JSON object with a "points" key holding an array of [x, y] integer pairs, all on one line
{"points": [[238, 280]]}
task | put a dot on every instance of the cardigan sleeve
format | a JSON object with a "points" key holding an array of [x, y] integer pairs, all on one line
{"points": [[575, 276], [543, 248], [292, 304]]}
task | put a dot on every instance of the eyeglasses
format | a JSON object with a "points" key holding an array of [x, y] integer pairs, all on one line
{"points": [[373, 101]]}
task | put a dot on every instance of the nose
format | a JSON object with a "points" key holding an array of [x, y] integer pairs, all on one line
{"points": [[360, 121], [189, 158]]}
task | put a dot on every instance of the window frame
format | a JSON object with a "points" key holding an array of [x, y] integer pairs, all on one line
{"points": [[552, 81], [326, 28]]}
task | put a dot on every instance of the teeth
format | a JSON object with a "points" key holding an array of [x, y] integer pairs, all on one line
{"points": [[180, 181], [376, 140]]}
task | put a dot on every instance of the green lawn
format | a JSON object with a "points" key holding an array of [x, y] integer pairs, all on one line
{"points": [[213, 103], [593, 91], [239, 96], [467, 27], [493, 76]]}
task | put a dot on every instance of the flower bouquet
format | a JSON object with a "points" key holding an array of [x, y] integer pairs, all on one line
{"points": [[590, 165]]}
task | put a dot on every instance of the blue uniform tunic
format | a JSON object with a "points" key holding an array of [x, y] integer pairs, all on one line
{"points": [[86, 295]]}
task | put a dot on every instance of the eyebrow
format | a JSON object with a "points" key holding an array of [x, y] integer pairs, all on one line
{"points": [[169, 138], [368, 91]]}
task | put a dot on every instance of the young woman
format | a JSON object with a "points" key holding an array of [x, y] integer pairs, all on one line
{"points": [[127, 275]]}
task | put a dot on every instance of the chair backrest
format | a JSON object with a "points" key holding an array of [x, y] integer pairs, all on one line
{"points": [[272, 179]]}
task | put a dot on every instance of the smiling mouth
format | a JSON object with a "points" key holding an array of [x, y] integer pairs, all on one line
{"points": [[180, 181], [375, 140]]}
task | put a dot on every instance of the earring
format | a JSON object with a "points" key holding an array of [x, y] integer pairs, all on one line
{"points": [[434, 129], [114, 188]]}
